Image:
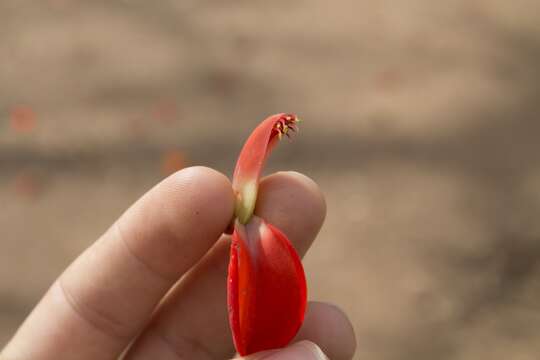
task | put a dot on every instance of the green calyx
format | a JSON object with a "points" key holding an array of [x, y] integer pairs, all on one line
{"points": [[245, 202]]}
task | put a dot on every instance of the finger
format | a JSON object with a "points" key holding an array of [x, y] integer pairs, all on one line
{"points": [[192, 323], [327, 326], [303, 350], [104, 298]]}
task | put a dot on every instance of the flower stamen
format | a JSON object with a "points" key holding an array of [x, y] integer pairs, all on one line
{"points": [[285, 125]]}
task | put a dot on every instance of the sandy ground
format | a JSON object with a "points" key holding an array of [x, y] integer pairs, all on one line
{"points": [[421, 126]]}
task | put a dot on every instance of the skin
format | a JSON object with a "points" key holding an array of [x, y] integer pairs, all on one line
{"points": [[156, 280]]}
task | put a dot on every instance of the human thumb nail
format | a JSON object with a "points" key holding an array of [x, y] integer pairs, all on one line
{"points": [[302, 350]]}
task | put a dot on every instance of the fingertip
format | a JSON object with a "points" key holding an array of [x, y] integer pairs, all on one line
{"points": [[201, 172], [328, 325], [348, 342], [208, 191], [204, 182], [311, 187], [182, 216], [295, 204]]}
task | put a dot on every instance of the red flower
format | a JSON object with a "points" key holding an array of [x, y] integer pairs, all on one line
{"points": [[266, 282]]}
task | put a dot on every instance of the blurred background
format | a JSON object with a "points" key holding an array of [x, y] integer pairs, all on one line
{"points": [[421, 126]]}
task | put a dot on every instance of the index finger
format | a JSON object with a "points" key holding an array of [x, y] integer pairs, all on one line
{"points": [[105, 297]]}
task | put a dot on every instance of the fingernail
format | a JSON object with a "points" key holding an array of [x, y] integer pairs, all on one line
{"points": [[303, 350]]}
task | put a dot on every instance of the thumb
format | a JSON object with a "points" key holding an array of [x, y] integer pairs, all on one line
{"points": [[302, 350]]}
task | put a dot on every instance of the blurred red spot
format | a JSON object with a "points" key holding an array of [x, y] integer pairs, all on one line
{"points": [[22, 119], [172, 161], [27, 185], [388, 80], [165, 111], [137, 126]]}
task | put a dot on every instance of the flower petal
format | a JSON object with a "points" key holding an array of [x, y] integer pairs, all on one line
{"points": [[251, 160], [266, 288]]}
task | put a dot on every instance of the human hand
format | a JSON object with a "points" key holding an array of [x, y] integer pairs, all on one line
{"points": [[154, 285]]}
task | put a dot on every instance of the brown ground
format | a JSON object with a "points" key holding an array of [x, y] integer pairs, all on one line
{"points": [[421, 127]]}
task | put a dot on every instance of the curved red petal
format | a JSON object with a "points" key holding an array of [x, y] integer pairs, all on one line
{"points": [[252, 157], [266, 288]]}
